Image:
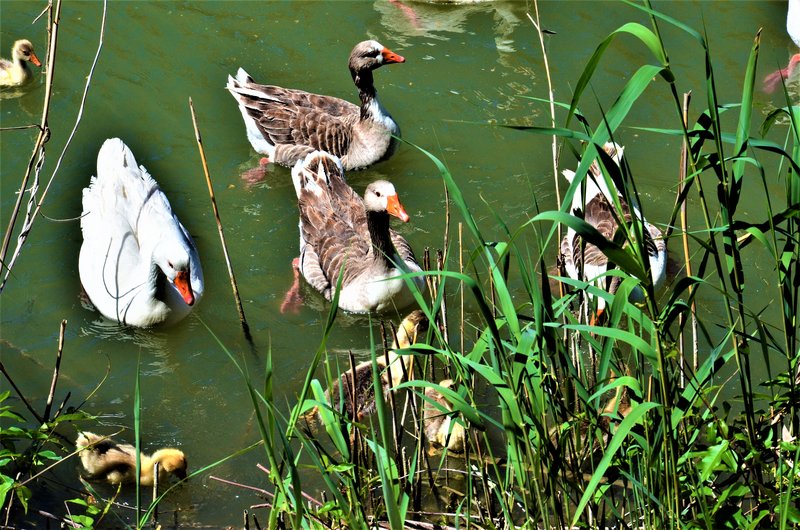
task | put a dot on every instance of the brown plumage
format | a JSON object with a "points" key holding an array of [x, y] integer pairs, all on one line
{"points": [[582, 260], [287, 124], [413, 328], [16, 72], [104, 459], [341, 233]]}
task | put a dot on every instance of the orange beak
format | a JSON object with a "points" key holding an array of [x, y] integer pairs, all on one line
{"points": [[390, 57], [394, 207], [35, 60], [597, 318], [184, 286]]}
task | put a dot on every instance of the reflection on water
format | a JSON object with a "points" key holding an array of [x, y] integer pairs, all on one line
{"points": [[409, 18]]}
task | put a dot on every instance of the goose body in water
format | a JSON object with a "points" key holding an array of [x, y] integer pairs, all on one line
{"points": [[341, 233], [774, 80], [287, 124], [138, 264]]}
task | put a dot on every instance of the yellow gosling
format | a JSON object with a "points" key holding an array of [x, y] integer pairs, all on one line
{"points": [[16, 72], [104, 459], [441, 428]]}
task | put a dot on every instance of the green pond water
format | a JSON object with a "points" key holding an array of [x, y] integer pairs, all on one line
{"points": [[466, 66]]}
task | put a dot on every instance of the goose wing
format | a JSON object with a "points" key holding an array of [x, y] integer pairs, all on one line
{"points": [[332, 242], [601, 215], [297, 118]]}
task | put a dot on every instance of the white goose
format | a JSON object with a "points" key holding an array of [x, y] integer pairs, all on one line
{"points": [[587, 262], [138, 264], [341, 232], [286, 124], [16, 72]]}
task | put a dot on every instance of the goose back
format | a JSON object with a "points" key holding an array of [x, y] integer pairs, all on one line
{"points": [[338, 235]]}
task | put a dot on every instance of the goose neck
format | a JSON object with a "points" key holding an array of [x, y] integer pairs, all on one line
{"points": [[366, 91], [378, 225]]}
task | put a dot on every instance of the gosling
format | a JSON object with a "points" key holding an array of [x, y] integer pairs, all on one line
{"points": [[441, 429], [16, 72], [104, 459], [356, 384]]}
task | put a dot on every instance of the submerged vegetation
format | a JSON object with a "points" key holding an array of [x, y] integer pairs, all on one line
{"points": [[629, 421]]}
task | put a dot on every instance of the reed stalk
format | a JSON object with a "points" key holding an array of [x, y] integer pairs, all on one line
{"points": [[231, 275], [38, 154]]}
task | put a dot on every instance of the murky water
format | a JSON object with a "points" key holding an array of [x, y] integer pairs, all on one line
{"points": [[466, 65]]}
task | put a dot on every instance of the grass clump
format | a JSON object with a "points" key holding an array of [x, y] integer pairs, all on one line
{"points": [[629, 422]]}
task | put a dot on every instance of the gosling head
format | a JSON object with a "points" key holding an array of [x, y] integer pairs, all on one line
{"points": [[413, 327], [23, 50], [171, 462]]}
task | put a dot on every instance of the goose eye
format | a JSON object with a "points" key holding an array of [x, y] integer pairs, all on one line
{"points": [[377, 193], [170, 265]]}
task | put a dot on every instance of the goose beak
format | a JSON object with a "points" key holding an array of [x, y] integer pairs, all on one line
{"points": [[390, 57], [35, 60], [184, 286], [394, 207]]}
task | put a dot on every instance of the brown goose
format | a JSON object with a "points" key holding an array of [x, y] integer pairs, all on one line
{"points": [[287, 124], [587, 262], [104, 459], [341, 232], [16, 72]]}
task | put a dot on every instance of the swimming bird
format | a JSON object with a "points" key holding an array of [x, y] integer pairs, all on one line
{"points": [[441, 429], [105, 459], [341, 233], [582, 260], [287, 124], [16, 72], [138, 264], [354, 393], [773, 80]]}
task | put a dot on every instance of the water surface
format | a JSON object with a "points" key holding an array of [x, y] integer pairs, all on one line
{"points": [[467, 66]]}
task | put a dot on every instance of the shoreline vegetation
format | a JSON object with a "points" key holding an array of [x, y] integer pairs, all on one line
{"points": [[568, 422]]}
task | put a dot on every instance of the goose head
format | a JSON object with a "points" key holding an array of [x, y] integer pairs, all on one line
{"points": [[367, 56], [173, 260], [380, 196], [23, 51]]}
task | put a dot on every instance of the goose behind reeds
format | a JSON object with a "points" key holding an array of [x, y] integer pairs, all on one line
{"points": [[340, 232], [582, 260], [287, 124], [138, 264], [104, 459], [16, 72]]}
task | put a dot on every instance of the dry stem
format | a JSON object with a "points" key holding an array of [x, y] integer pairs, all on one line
{"points": [[232, 277]]}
